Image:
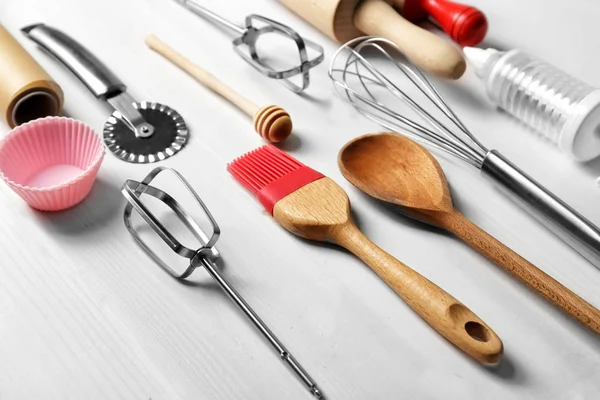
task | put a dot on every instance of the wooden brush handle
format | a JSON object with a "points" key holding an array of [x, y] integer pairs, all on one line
{"points": [[528, 273], [433, 54], [443, 312], [202, 76]]}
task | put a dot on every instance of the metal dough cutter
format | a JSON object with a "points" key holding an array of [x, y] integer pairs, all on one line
{"points": [[136, 132], [248, 36]]}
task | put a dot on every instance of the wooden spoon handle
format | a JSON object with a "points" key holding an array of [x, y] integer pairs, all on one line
{"points": [[433, 54], [443, 312], [522, 269], [201, 75]]}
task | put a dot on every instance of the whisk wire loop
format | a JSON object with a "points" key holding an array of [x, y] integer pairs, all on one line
{"points": [[452, 137], [423, 85], [440, 143]]}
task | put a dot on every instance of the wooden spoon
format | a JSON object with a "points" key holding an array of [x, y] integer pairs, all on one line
{"points": [[397, 170]]}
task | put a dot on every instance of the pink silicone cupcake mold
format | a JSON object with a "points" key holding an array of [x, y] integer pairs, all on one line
{"points": [[51, 162]]}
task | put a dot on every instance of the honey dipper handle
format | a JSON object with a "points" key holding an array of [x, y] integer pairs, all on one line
{"points": [[522, 269], [201, 75], [429, 52], [439, 309]]}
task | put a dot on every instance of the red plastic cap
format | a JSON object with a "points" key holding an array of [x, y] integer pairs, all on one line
{"points": [[466, 25], [469, 28]]}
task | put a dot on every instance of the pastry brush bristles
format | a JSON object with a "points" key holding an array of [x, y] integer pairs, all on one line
{"points": [[258, 168], [270, 174]]}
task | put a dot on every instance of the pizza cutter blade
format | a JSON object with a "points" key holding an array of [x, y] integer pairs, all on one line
{"points": [[170, 134], [136, 132]]}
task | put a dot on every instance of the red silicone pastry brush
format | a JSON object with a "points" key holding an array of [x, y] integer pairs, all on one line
{"points": [[312, 206]]}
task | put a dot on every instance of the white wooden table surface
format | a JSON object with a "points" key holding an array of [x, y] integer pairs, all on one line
{"points": [[84, 314]]}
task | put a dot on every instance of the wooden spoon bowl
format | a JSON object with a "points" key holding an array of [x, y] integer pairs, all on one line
{"points": [[397, 170]]}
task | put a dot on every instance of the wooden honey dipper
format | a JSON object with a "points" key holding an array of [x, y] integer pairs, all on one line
{"points": [[271, 122], [344, 20]]}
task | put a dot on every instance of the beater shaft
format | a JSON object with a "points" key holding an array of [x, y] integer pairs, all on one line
{"points": [[260, 325], [200, 257]]}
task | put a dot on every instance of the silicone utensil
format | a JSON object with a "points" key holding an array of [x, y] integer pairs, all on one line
{"points": [[52, 162], [314, 207]]}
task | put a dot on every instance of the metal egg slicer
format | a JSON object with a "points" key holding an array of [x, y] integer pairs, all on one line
{"points": [[248, 37], [136, 132], [204, 256]]}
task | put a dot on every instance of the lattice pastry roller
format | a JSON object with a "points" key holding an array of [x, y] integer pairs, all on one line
{"points": [[136, 132]]}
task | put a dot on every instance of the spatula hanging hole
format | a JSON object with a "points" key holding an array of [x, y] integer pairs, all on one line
{"points": [[477, 331]]}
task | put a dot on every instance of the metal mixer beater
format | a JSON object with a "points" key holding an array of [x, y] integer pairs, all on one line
{"points": [[385, 86], [204, 256], [249, 35]]}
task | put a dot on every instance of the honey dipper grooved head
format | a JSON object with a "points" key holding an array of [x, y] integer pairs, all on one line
{"points": [[273, 123]]}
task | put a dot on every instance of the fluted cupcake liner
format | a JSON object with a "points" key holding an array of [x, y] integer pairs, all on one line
{"points": [[52, 162]]}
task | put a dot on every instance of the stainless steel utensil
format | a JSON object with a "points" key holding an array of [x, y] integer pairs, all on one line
{"points": [[357, 72], [204, 256], [137, 132], [248, 36]]}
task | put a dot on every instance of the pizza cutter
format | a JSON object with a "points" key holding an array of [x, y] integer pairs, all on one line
{"points": [[136, 132]]}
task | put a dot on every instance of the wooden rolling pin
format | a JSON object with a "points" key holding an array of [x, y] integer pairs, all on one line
{"points": [[344, 20], [272, 123]]}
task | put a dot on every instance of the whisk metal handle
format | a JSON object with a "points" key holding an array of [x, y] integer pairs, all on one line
{"points": [[551, 211]]}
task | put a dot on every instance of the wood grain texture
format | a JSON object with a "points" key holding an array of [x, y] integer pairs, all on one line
{"points": [[398, 170], [335, 18], [431, 53], [519, 267], [272, 123], [321, 211], [344, 20], [84, 314]]}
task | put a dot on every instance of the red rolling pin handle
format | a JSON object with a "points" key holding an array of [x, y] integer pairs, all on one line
{"points": [[466, 25]]}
